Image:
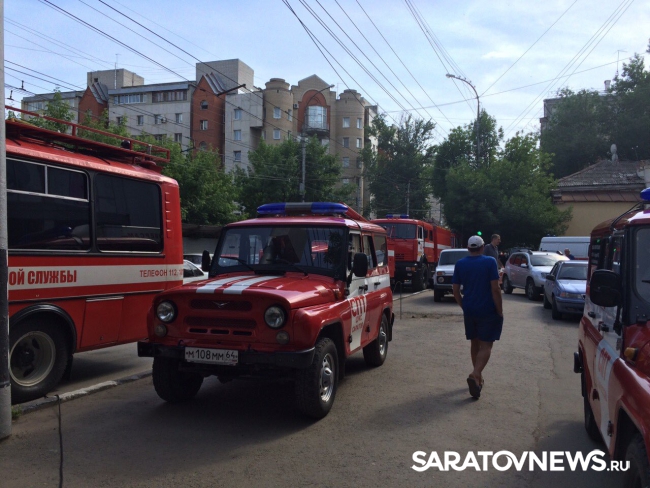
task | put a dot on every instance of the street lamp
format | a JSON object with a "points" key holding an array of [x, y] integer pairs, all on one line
{"points": [[478, 113], [304, 150]]}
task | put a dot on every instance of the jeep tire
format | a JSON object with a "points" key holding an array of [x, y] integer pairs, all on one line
{"points": [[437, 295], [316, 385], [638, 473], [375, 353], [590, 422], [173, 385], [418, 279]]}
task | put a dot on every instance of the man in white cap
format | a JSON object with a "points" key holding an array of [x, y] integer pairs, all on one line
{"points": [[482, 307]]}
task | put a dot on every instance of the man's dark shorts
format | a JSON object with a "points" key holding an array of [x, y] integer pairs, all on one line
{"points": [[486, 328]]}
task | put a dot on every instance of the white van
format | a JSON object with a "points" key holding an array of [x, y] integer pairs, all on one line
{"points": [[578, 245]]}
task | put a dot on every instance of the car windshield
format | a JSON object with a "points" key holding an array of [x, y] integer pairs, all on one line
{"points": [[642, 261], [272, 249], [545, 259], [573, 272], [452, 257], [400, 231]]}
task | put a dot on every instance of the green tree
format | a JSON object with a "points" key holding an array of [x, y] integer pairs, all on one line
{"points": [[56, 108], [104, 124], [275, 175], [398, 170]]}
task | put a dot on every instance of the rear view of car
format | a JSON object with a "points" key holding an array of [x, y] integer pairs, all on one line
{"points": [[565, 288], [445, 271]]}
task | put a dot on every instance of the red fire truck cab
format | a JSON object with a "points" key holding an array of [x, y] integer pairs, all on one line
{"points": [[291, 293], [613, 354], [416, 246]]}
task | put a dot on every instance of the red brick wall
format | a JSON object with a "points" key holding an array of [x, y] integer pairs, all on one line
{"points": [[214, 114], [87, 103]]}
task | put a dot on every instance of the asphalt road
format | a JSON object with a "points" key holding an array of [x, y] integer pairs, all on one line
{"points": [[248, 433]]}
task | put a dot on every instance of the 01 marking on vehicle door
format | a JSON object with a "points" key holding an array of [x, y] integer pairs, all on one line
{"points": [[604, 360], [358, 309]]}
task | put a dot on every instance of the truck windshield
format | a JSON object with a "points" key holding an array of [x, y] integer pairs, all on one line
{"points": [[272, 249], [642, 264], [452, 257], [400, 231]]}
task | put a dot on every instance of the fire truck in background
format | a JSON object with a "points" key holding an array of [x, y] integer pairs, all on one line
{"points": [[416, 246], [613, 357]]}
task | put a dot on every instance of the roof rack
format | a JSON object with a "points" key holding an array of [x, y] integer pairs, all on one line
{"points": [[149, 156], [308, 208]]}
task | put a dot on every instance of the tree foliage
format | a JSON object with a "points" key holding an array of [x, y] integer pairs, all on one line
{"points": [[56, 108], [398, 169], [584, 124], [275, 175]]}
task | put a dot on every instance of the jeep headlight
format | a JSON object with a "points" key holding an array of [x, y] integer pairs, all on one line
{"points": [[166, 311], [275, 317]]}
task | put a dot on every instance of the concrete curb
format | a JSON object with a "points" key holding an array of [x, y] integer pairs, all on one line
{"points": [[49, 401]]}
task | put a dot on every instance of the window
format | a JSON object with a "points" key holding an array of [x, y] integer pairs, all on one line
{"points": [[47, 207], [346, 142], [325, 142], [203, 146], [317, 117], [237, 135], [127, 99], [346, 162], [381, 250], [35, 106], [289, 115], [359, 163], [346, 181], [264, 135], [127, 215], [359, 123], [157, 119], [120, 120], [204, 105], [236, 155], [140, 119], [179, 118], [159, 137], [346, 122], [358, 142], [368, 249], [169, 96], [237, 114], [178, 137], [203, 125], [276, 134], [277, 113]]}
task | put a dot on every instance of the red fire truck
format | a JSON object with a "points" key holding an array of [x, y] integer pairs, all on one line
{"points": [[94, 234], [292, 293], [613, 355], [416, 246]]}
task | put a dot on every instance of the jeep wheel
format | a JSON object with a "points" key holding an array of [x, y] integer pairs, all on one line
{"points": [[437, 295], [555, 313], [532, 293], [375, 353], [507, 286], [590, 422], [316, 385], [638, 474], [172, 385], [547, 304], [418, 280]]}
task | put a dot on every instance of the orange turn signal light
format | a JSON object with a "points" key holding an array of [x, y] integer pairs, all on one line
{"points": [[630, 353]]}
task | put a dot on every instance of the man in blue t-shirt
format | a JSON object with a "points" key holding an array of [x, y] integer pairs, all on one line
{"points": [[482, 307]]}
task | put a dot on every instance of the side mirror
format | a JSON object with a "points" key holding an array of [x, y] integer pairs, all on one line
{"points": [[605, 288], [550, 277], [360, 264], [524, 265], [205, 261]]}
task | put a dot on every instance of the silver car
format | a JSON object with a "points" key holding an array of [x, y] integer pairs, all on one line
{"points": [[528, 270], [565, 288], [445, 271]]}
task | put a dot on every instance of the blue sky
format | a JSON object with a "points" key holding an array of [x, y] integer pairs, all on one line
{"points": [[511, 51]]}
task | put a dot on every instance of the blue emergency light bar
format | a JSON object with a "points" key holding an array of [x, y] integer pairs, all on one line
{"points": [[645, 194], [396, 216], [298, 208]]}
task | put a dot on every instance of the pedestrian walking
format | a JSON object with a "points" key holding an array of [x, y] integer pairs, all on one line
{"points": [[492, 249], [567, 253], [482, 307]]}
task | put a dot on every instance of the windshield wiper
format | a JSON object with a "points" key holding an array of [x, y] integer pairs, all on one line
{"points": [[241, 261], [284, 261]]}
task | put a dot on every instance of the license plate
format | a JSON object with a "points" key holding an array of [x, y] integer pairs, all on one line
{"points": [[211, 356]]}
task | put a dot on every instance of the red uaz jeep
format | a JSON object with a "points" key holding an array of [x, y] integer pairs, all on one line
{"points": [[291, 293]]}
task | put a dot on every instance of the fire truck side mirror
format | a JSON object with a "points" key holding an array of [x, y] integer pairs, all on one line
{"points": [[205, 261], [605, 288], [360, 265]]}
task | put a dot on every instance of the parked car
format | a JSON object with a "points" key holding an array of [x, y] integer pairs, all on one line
{"points": [[194, 258], [445, 271], [565, 288], [528, 270], [191, 272]]}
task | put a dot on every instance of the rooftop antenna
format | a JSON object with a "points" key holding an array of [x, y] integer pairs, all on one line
{"points": [[618, 53], [115, 77]]}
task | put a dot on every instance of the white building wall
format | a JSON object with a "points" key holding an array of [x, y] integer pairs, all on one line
{"points": [[249, 124]]}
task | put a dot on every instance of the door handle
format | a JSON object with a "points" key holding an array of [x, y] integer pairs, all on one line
{"points": [[592, 314], [363, 288], [377, 283]]}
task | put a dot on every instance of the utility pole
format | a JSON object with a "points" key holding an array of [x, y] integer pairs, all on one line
{"points": [[408, 197], [478, 114], [5, 379], [303, 136]]}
